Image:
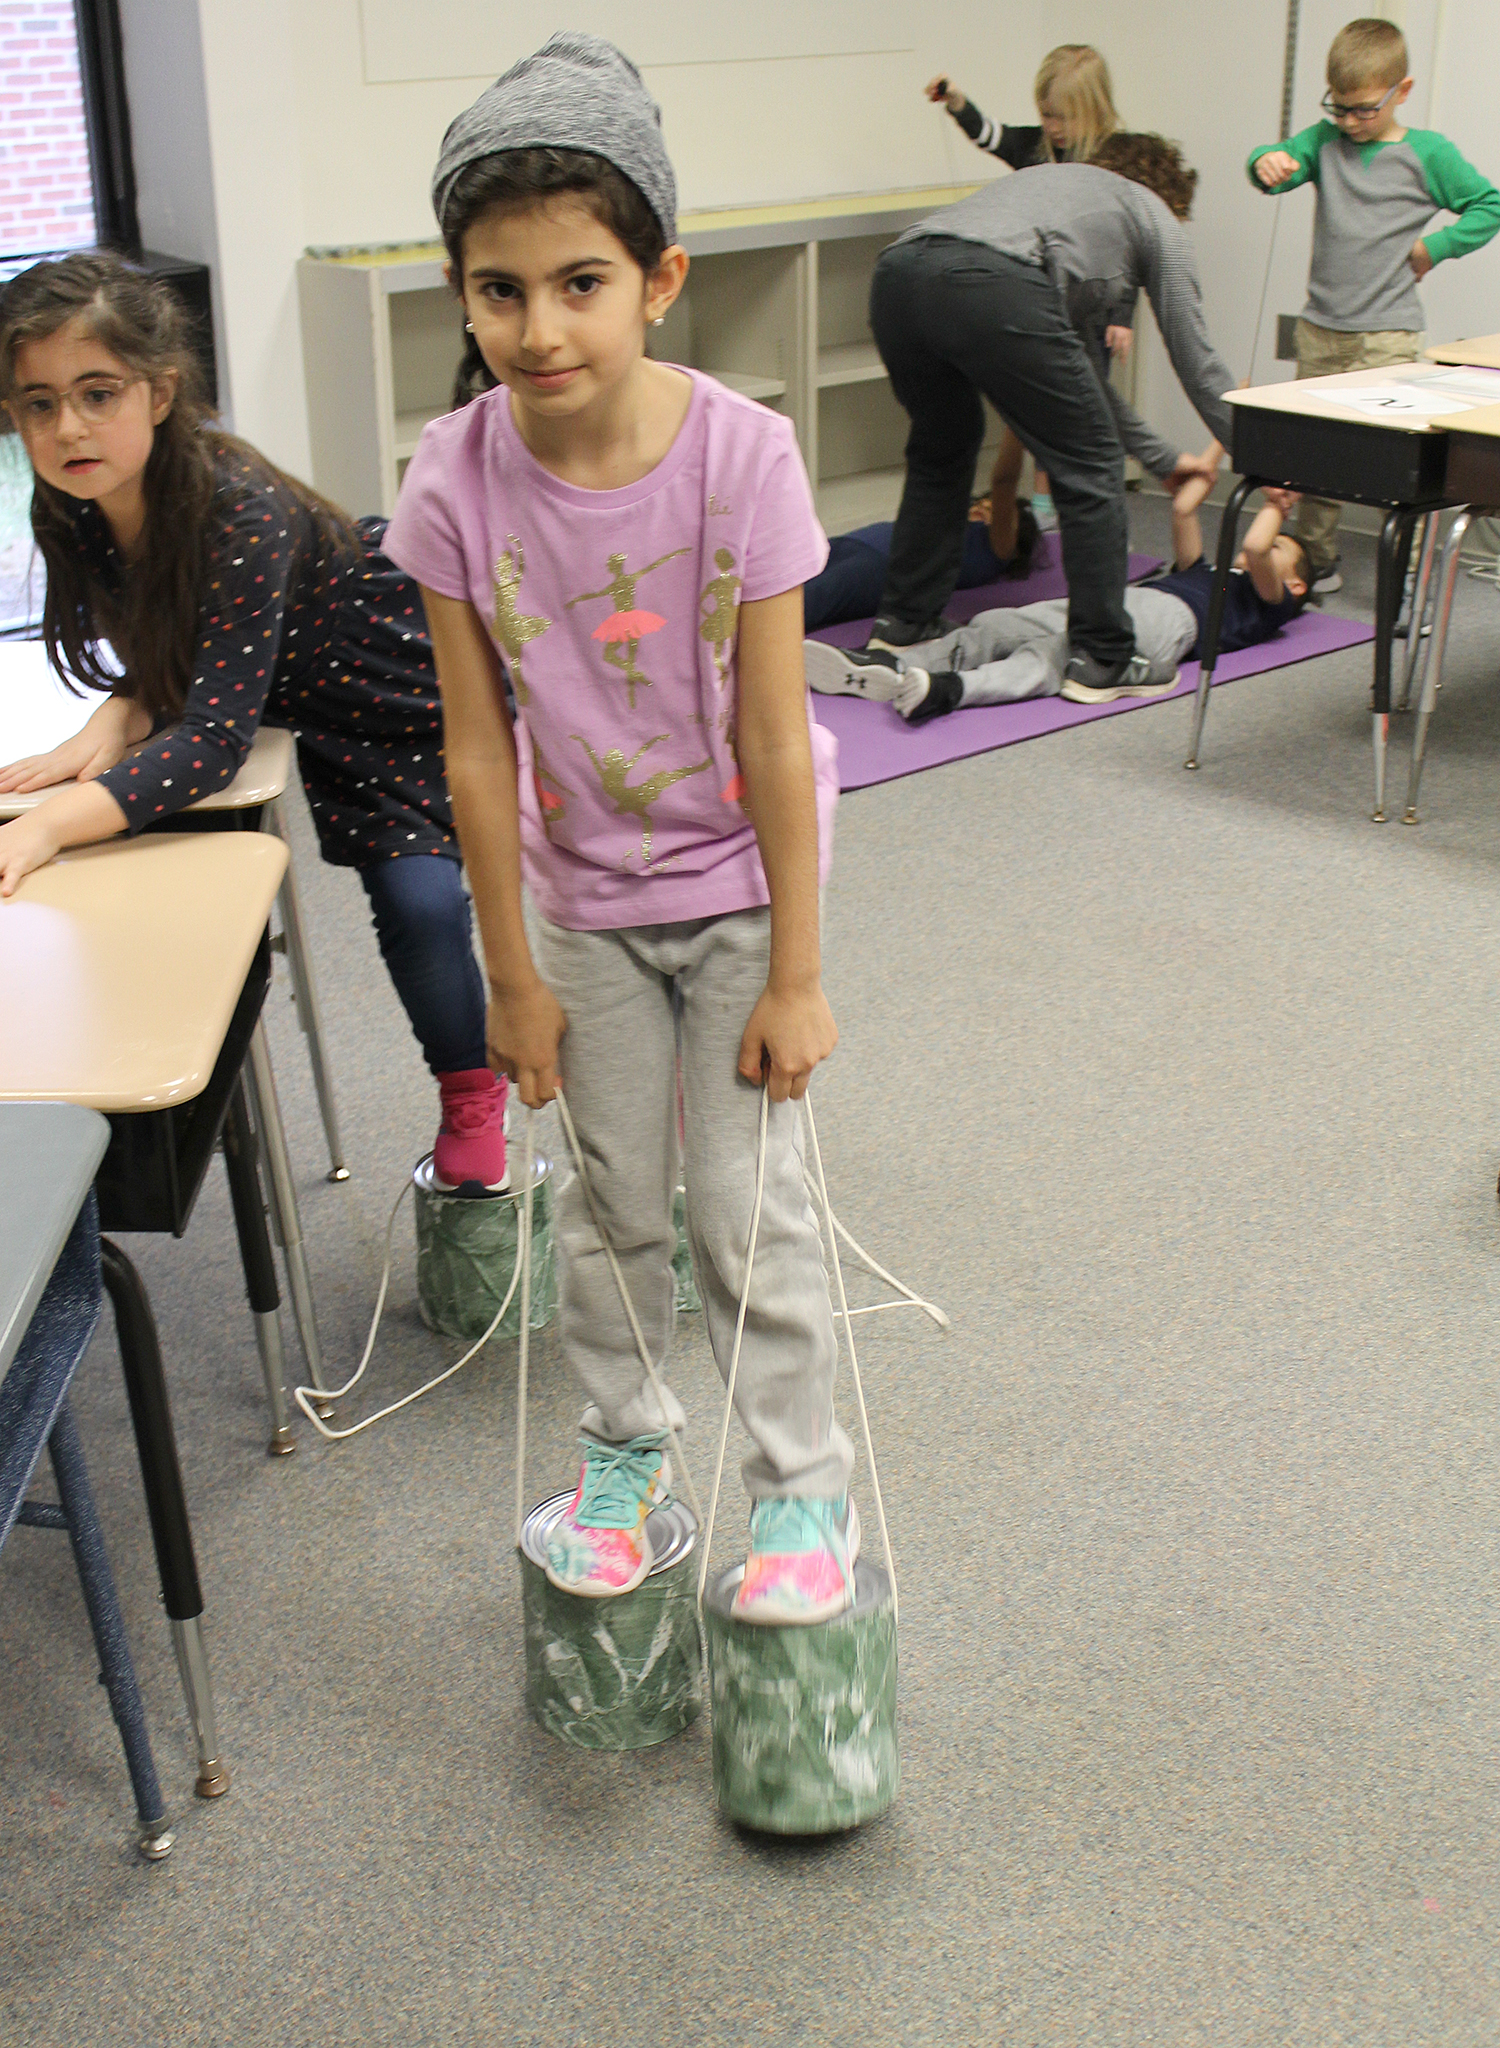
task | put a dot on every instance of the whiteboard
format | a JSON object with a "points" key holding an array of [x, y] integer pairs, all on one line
{"points": [[405, 42]]}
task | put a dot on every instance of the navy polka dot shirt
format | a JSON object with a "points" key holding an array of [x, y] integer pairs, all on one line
{"points": [[338, 653]]}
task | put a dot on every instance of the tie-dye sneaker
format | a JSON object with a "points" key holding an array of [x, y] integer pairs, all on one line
{"points": [[600, 1547], [801, 1562]]}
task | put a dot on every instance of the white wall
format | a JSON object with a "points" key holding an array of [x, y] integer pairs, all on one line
{"points": [[263, 136]]}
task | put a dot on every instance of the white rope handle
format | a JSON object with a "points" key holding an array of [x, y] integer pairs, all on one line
{"points": [[859, 1391], [739, 1332], [734, 1361], [306, 1396], [523, 1354], [635, 1328], [909, 1299]]}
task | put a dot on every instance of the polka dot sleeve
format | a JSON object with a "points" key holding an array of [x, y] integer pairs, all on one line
{"points": [[249, 575]]}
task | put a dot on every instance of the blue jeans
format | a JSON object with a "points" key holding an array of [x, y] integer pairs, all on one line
{"points": [[422, 925]]}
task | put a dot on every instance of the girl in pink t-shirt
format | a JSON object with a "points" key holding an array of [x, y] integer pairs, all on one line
{"points": [[611, 552]]}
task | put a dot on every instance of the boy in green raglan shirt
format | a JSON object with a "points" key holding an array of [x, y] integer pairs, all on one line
{"points": [[1378, 186]]}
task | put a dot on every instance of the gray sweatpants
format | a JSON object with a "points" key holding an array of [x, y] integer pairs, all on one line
{"points": [[1022, 651], [637, 1001]]}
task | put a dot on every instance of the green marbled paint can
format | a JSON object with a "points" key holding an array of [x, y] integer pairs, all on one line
{"points": [[466, 1254], [621, 1673], [804, 1719]]}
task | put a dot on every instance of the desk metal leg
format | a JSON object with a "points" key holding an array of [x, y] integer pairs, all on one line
{"points": [[1395, 535], [1208, 647], [285, 1218], [305, 992], [166, 1502], [1432, 667], [260, 1267], [1416, 620]]}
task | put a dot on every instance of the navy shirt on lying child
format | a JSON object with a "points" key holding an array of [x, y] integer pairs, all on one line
{"points": [[1248, 617]]}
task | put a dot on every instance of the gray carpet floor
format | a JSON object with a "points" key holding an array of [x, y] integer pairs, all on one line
{"points": [[1179, 1092]]}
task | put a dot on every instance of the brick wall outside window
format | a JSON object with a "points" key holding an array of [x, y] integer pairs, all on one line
{"points": [[46, 190]]}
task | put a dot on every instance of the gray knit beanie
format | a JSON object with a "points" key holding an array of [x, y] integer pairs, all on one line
{"points": [[576, 92]]}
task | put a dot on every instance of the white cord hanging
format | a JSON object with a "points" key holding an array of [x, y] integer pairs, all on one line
{"points": [[306, 1396], [929, 1309], [635, 1329], [734, 1361]]}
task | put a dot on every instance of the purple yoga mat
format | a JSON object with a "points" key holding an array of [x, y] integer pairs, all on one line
{"points": [[1046, 580], [877, 745]]}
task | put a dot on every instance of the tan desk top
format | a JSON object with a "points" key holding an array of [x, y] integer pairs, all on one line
{"points": [[1481, 353], [120, 966], [266, 772], [1318, 398], [1485, 419]]}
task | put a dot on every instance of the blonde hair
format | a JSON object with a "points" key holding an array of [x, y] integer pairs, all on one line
{"points": [[1367, 52], [1075, 79]]}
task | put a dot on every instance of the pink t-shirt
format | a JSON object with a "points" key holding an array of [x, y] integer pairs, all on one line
{"points": [[615, 613]]}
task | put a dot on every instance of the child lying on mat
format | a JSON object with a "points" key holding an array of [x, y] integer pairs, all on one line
{"points": [[1003, 656], [849, 584]]}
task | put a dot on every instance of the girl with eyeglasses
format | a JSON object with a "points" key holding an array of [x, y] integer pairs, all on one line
{"points": [[231, 593]]}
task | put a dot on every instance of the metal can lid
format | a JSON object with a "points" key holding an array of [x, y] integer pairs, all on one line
{"points": [[425, 1179], [672, 1529]]}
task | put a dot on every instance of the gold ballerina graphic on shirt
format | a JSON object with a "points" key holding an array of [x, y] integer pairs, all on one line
{"points": [[719, 612], [549, 786], [513, 629], [635, 801], [626, 627]]}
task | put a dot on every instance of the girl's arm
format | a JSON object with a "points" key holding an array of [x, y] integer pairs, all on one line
{"points": [[791, 1027], [525, 1021], [118, 723], [73, 817]]}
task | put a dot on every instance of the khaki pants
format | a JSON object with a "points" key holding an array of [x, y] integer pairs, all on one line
{"points": [[1324, 352]]}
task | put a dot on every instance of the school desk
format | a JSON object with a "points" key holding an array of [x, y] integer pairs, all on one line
{"points": [[131, 981], [38, 712], [1481, 352], [1307, 436]]}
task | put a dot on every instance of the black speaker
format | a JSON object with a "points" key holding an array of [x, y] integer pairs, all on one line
{"points": [[188, 282]]}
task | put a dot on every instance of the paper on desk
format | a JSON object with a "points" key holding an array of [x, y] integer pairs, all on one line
{"points": [[37, 709], [1399, 401], [1479, 387]]}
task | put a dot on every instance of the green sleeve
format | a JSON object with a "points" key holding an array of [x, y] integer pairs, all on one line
{"points": [[1458, 188], [1305, 147]]}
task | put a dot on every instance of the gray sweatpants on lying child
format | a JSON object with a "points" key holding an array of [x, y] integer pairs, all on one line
{"points": [[636, 998], [1022, 651]]}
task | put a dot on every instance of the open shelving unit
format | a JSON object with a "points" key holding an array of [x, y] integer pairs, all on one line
{"points": [[774, 306]]}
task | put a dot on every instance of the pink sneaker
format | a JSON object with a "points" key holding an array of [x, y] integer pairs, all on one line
{"points": [[468, 1154], [599, 1547], [800, 1566]]}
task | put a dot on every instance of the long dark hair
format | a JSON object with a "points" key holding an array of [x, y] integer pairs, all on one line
{"points": [[152, 621], [526, 177]]}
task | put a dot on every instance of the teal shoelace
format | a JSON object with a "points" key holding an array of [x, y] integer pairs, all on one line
{"points": [[616, 1479], [789, 1524]]}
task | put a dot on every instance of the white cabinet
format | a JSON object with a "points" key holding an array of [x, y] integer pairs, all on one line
{"points": [[775, 306]]}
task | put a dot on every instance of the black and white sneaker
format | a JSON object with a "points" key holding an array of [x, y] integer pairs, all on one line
{"points": [[872, 672], [1094, 682]]}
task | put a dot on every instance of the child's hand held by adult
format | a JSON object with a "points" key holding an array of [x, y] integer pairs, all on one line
{"points": [[789, 1033], [1275, 167], [523, 1029]]}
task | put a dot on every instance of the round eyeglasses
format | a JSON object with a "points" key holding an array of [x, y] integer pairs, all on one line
{"points": [[92, 401]]}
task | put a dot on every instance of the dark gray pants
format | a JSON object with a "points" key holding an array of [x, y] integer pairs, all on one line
{"points": [[953, 319]]}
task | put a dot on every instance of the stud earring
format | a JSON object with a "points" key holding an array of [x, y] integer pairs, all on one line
{"points": [[658, 320], [468, 327]]}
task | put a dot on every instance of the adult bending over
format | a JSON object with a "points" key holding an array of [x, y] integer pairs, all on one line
{"points": [[1007, 294]]}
